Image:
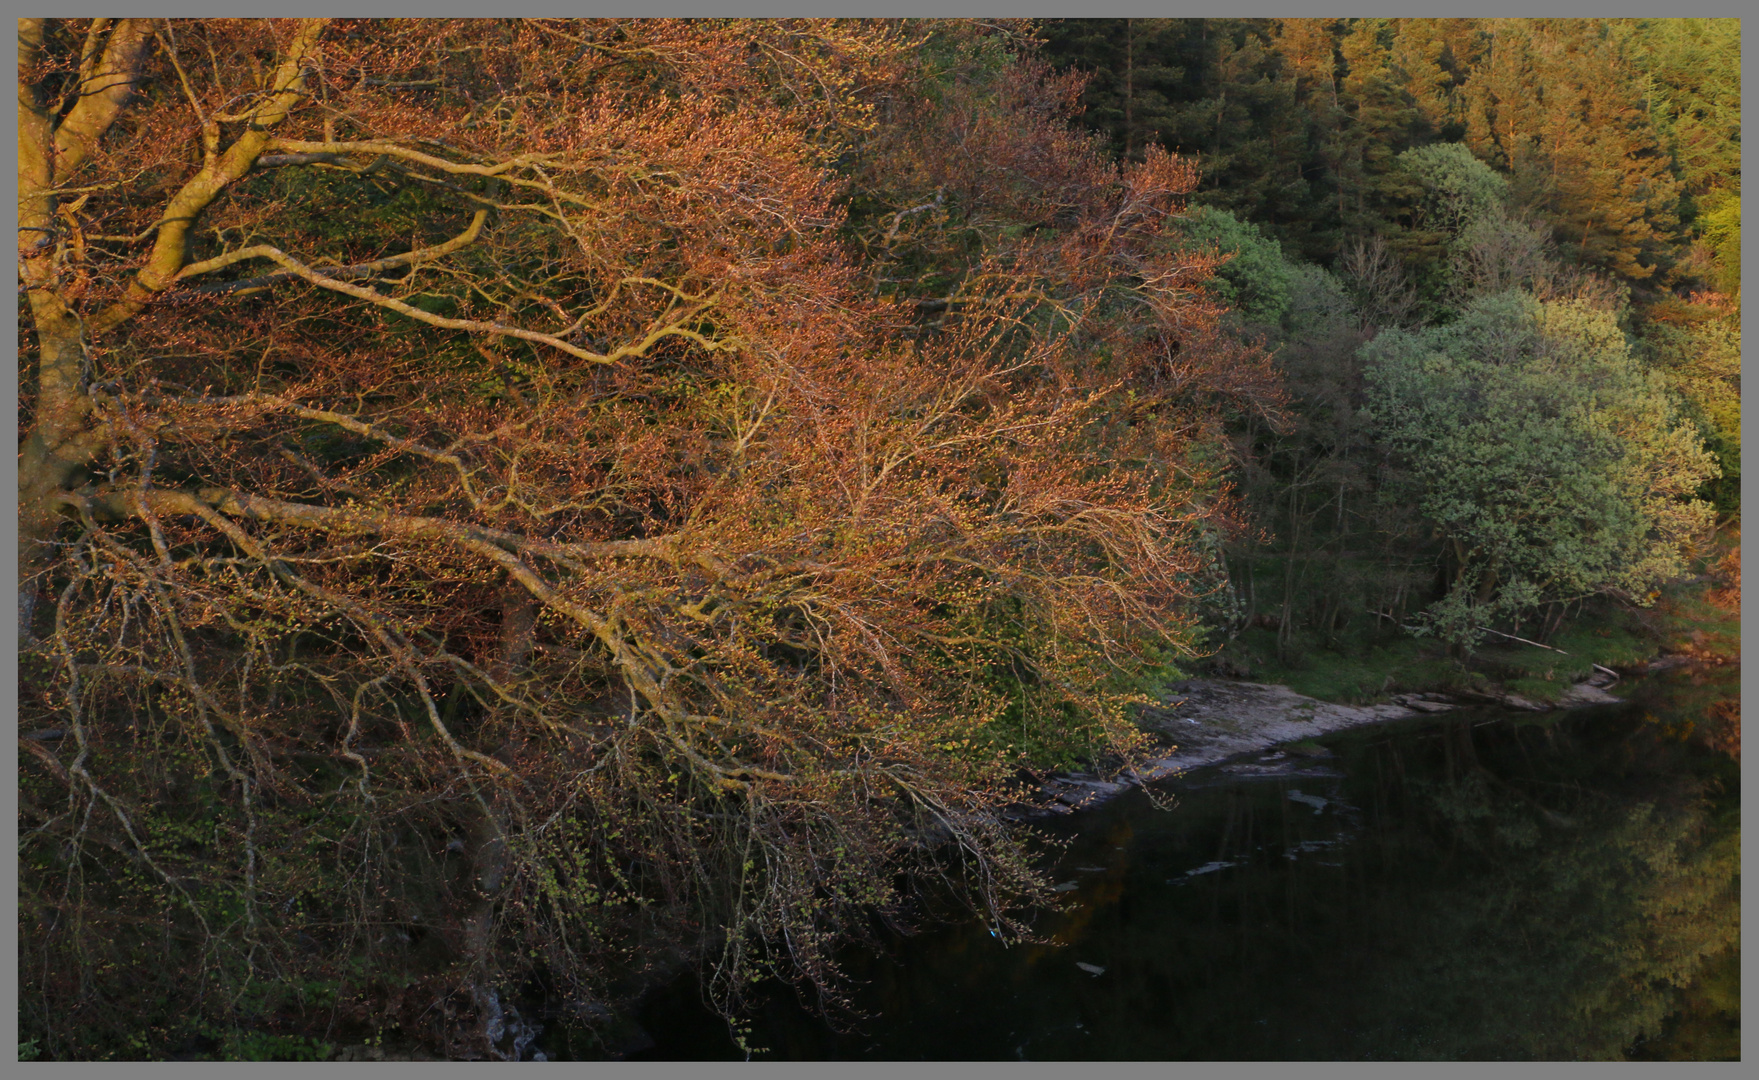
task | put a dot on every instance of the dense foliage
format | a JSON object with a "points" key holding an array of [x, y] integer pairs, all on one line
{"points": [[1554, 466], [1618, 132], [524, 500], [510, 508], [1409, 172]]}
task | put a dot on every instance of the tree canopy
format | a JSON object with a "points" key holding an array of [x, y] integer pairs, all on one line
{"points": [[1617, 132], [499, 493], [1555, 466], [513, 503]]}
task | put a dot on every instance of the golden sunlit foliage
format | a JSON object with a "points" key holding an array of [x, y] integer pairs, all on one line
{"points": [[514, 499]]}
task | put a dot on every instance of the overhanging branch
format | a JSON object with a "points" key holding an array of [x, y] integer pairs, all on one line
{"points": [[412, 258], [295, 268]]}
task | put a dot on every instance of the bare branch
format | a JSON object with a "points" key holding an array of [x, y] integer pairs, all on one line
{"points": [[167, 257], [503, 169], [411, 258], [323, 281]]}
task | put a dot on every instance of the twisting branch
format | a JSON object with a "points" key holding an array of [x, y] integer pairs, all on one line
{"points": [[105, 86], [503, 170], [360, 519], [305, 273], [338, 273], [218, 172]]}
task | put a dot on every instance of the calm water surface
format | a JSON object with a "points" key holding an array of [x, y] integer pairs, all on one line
{"points": [[1482, 885]]}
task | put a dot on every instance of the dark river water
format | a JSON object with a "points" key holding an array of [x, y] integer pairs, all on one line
{"points": [[1478, 885]]}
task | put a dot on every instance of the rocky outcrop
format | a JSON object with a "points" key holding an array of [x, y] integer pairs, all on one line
{"points": [[1211, 720], [1586, 693]]}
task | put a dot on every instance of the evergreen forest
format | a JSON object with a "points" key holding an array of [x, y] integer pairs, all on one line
{"points": [[520, 509]]}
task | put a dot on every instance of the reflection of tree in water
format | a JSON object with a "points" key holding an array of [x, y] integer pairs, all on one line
{"points": [[1526, 889], [1583, 903], [1536, 891], [1519, 891], [1708, 1025]]}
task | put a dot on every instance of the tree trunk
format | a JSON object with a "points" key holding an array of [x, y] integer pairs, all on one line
{"points": [[63, 440], [1129, 86], [1487, 587], [54, 456], [486, 842]]}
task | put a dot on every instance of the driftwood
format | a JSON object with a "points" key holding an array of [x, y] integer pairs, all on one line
{"points": [[1524, 641], [1511, 637]]}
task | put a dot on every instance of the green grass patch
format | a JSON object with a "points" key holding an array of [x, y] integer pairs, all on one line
{"points": [[1370, 665], [1611, 638], [1356, 671]]}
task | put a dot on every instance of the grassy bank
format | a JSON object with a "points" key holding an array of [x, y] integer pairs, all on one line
{"points": [[1697, 618]]}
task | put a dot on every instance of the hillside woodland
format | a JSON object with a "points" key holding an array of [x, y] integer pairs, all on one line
{"points": [[509, 509]]}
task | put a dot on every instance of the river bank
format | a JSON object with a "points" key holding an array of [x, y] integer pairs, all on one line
{"points": [[1251, 729], [1695, 623], [1207, 721], [1264, 728]]}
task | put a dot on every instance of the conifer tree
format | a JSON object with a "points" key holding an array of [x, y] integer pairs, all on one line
{"points": [[1559, 106], [1417, 56], [1229, 127], [1694, 99], [1308, 48], [1382, 119], [1132, 79]]}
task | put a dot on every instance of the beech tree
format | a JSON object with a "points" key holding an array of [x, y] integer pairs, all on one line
{"points": [[481, 517]]}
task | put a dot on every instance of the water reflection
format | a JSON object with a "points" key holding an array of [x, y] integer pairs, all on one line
{"points": [[1484, 886]]}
